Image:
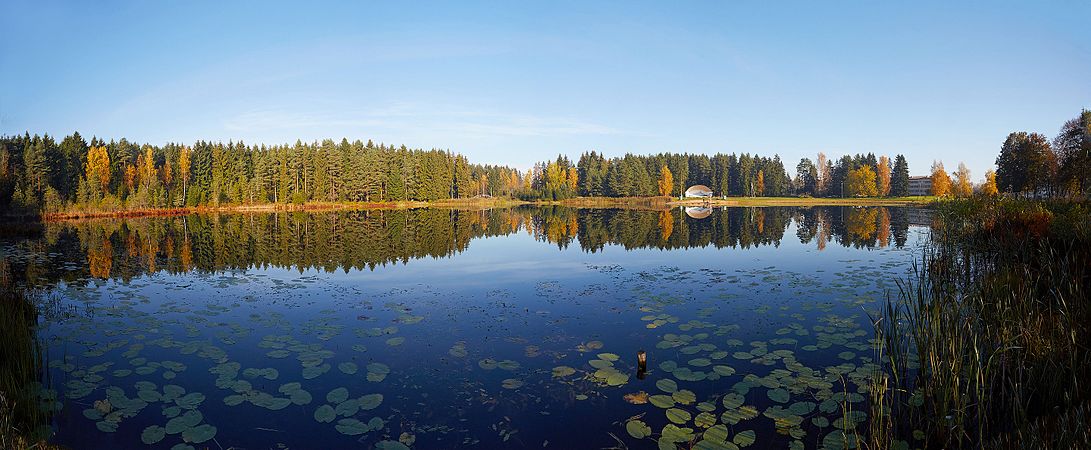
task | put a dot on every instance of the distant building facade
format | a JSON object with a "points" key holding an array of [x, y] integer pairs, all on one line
{"points": [[920, 185], [698, 190]]}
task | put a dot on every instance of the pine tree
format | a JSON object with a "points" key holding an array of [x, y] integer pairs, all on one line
{"points": [[899, 180]]}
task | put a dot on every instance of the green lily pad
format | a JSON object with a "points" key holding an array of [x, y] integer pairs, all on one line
{"points": [[672, 433], [348, 408], [723, 371], [234, 400], [199, 434], [678, 416], [608, 357], [638, 429], [744, 438], [563, 371], [191, 401], [371, 401], [600, 364], [310, 373], [802, 408], [778, 395], [667, 385], [733, 400], [704, 420], [684, 397], [735, 416], [352, 427], [662, 401], [390, 445], [337, 395], [699, 362], [300, 397], [715, 433], [348, 368], [324, 414], [512, 383], [153, 434]]}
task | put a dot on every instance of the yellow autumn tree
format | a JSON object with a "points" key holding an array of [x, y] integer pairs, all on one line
{"points": [[861, 183], [759, 184], [941, 182], [963, 186], [183, 168], [97, 169], [130, 177], [882, 171], [146, 167], [666, 181], [989, 188]]}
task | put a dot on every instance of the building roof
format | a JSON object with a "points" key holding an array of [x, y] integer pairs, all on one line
{"points": [[921, 177], [698, 190]]}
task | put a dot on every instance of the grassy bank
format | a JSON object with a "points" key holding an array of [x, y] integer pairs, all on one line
{"points": [[988, 345], [810, 201], [470, 203], [650, 203]]}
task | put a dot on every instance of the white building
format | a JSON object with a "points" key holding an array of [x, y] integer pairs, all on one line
{"points": [[699, 190], [920, 185]]}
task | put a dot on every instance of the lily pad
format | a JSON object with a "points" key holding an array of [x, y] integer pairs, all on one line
{"points": [[325, 414], [153, 434], [371, 401], [563, 371], [348, 368], [199, 434], [678, 416], [638, 429], [744, 438], [778, 395], [662, 401], [352, 427], [337, 395]]}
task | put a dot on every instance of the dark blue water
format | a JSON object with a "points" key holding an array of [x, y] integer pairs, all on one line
{"points": [[506, 333]]}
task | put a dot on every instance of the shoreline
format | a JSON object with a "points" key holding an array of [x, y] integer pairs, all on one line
{"points": [[650, 203]]}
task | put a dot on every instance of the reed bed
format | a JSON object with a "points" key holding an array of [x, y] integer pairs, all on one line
{"points": [[987, 344]]}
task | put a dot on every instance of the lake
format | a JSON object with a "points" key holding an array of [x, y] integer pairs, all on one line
{"points": [[438, 328]]}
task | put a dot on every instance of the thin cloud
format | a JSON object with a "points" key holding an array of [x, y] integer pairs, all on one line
{"points": [[415, 117]]}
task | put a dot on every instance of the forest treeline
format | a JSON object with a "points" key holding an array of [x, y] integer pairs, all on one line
{"points": [[39, 174], [1032, 165], [745, 175]]}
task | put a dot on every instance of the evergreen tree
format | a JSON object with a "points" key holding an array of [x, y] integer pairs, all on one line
{"points": [[899, 180]]}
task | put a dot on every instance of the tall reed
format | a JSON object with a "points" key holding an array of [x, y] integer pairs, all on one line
{"points": [[23, 420], [987, 344]]}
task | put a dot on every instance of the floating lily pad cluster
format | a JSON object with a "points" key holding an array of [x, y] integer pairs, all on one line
{"points": [[339, 404]]}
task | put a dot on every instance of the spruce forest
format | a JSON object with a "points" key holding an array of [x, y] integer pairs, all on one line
{"points": [[38, 174]]}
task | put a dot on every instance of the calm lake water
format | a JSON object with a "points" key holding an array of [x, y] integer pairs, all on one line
{"points": [[442, 328]]}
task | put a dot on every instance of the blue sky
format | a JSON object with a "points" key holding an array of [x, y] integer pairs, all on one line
{"points": [[517, 82]]}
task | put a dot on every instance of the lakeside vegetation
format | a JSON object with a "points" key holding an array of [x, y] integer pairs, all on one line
{"points": [[988, 345]]}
